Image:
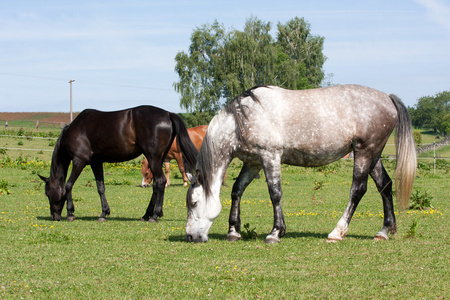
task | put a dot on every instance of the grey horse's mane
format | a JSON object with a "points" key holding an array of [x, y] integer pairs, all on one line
{"points": [[209, 150]]}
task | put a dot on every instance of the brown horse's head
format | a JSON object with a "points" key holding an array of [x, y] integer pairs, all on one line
{"points": [[147, 175], [56, 195]]}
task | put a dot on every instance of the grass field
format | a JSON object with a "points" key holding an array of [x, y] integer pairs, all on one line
{"points": [[129, 259]]}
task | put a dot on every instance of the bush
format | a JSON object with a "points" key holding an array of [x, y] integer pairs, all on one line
{"points": [[423, 166], [417, 137], [4, 189], [420, 200]]}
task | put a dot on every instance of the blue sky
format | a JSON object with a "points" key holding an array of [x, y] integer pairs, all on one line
{"points": [[121, 53]]}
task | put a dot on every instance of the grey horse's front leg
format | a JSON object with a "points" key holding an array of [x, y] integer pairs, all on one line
{"points": [[247, 174]]}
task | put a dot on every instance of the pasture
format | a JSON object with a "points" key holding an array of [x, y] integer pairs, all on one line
{"points": [[130, 259]]}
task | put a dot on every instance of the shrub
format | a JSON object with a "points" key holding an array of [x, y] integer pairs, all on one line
{"points": [[249, 233], [420, 200], [412, 231], [417, 137], [20, 132], [423, 166], [4, 189]]}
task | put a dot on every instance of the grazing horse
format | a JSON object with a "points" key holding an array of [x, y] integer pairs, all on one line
{"points": [[95, 137], [196, 134], [268, 126]]}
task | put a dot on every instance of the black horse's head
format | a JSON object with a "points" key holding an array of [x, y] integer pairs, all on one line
{"points": [[56, 196]]}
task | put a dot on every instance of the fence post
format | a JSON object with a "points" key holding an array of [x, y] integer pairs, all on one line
{"points": [[6, 125], [434, 158]]}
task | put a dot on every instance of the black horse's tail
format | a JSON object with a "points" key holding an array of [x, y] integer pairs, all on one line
{"points": [[187, 148]]}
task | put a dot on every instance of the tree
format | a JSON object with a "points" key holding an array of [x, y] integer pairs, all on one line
{"points": [[249, 58], [433, 112], [198, 85], [221, 65], [304, 53]]}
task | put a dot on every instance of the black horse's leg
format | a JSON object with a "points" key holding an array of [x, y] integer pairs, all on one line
{"points": [[154, 209], [272, 170], [247, 174], [76, 171], [97, 169], [384, 186], [361, 170]]}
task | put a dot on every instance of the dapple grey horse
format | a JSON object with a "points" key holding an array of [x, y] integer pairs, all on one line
{"points": [[267, 126]]}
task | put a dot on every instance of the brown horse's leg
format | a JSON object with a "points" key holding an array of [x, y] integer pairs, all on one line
{"points": [[167, 171], [97, 169]]}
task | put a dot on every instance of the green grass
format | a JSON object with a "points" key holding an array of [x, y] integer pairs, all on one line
{"points": [[129, 259], [440, 152], [428, 137]]}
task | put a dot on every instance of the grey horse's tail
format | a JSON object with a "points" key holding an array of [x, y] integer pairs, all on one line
{"points": [[406, 154]]}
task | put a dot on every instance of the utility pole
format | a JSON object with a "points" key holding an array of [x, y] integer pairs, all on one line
{"points": [[71, 111]]}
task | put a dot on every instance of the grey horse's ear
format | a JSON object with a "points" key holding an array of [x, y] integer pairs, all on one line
{"points": [[190, 177], [198, 178]]}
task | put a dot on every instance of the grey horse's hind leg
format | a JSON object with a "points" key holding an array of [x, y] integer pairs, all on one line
{"points": [[272, 170], [247, 174], [361, 171], [384, 186]]}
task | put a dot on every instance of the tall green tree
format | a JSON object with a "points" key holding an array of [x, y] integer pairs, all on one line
{"points": [[304, 54], [199, 87], [433, 112], [249, 58], [220, 65]]}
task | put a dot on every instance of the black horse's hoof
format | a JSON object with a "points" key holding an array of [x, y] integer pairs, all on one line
{"points": [[70, 218], [153, 220], [101, 219]]}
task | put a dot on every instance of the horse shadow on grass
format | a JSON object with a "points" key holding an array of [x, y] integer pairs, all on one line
{"points": [[321, 236], [95, 218], [289, 235]]}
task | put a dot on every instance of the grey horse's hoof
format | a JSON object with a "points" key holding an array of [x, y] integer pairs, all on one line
{"points": [[70, 218], [233, 236], [101, 219], [272, 239]]}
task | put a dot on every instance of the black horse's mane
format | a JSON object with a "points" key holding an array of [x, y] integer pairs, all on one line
{"points": [[56, 155]]}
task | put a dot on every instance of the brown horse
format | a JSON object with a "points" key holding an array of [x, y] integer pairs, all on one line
{"points": [[95, 137], [196, 134]]}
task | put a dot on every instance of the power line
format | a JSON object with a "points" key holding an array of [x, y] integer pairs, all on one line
{"points": [[87, 82]]}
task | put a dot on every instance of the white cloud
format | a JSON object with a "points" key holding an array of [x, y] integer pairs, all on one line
{"points": [[438, 11]]}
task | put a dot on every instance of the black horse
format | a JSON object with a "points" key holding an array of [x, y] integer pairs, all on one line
{"points": [[95, 137]]}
